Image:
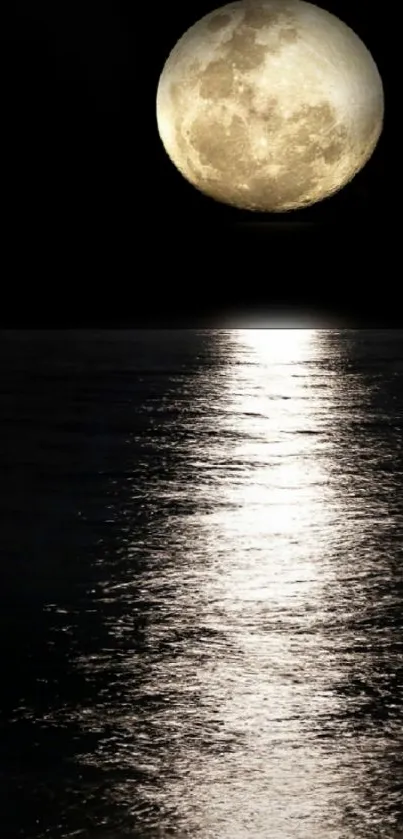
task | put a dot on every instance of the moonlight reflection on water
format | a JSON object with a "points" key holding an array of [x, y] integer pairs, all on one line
{"points": [[228, 655], [260, 631]]}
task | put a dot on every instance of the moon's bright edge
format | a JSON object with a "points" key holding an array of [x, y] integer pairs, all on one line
{"points": [[270, 105]]}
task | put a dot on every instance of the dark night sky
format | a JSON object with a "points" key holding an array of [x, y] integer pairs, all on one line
{"points": [[100, 228]]}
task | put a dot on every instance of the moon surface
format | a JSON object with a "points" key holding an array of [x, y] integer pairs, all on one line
{"points": [[269, 105]]}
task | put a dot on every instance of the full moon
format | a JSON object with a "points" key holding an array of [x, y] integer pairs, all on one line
{"points": [[269, 105]]}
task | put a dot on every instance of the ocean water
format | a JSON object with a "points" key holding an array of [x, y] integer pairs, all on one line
{"points": [[201, 623]]}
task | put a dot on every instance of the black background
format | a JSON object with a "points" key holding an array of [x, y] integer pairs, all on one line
{"points": [[99, 227]]}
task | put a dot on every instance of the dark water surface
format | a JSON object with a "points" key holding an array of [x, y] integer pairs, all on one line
{"points": [[201, 584]]}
